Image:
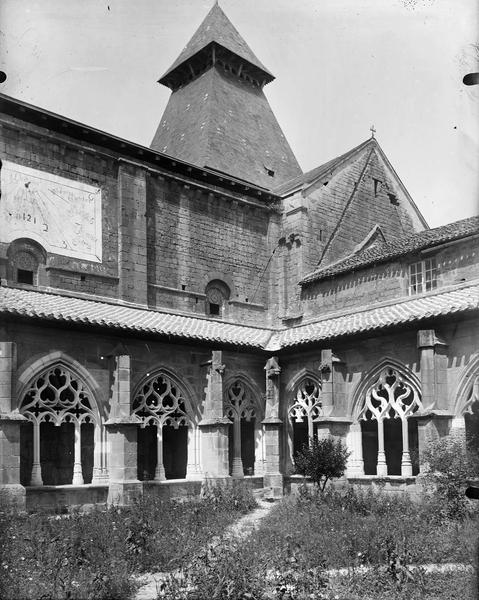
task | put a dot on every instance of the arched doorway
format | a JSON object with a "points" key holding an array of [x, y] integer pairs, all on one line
{"points": [[57, 445]]}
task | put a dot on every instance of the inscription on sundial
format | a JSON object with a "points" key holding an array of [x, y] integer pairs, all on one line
{"points": [[61, 214]]}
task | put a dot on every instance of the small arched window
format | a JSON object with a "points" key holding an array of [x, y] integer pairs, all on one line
{"points": [[25, 257], [217, 293]]}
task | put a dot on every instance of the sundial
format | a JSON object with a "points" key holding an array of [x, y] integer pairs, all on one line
{"points": [[63, 215]]}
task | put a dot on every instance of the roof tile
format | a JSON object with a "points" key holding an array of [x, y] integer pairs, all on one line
{"points": [[391, 250]]}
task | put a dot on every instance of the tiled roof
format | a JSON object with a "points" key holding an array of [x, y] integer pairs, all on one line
{"points": [[409, 311], [318, 172], [216, 27], [387, 251], [66, 309]]}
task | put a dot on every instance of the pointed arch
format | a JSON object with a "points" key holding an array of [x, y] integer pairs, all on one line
{"points": [[388, 395], [467, 392], [161, 395], [243, 404], [303, 373], [43, 363], [372, 376], [255, 394], [162, 404], [62, 444]]}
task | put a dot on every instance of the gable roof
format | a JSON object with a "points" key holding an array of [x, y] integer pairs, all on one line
{"points": [[387, 251], [216, 27], [318, 172]]}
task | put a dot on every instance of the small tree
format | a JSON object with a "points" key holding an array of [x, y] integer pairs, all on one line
{"points": [[321, 460], [450, 463]]}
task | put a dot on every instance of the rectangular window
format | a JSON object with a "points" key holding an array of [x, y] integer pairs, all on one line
{"points": [[24, 276], [422, 276]]}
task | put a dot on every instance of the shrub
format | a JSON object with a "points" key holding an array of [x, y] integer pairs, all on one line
{"points": [[449, 465], [322, 460]]}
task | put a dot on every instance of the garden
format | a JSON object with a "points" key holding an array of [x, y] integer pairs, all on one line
{"points": [[328, 542]]}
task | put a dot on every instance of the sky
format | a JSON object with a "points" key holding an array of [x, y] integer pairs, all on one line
{"points": [[340, 66]]}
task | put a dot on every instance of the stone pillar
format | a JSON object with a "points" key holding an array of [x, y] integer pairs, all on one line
{"points": [[381, 467], [433, 363], [193, 470], [214, 426], [272, 426], [406, 465], [122, 428], [355, 445], [12, 494], [97, 455], [132, 244], [333, 387], [77, 469], [160, 469], [237, 468]]}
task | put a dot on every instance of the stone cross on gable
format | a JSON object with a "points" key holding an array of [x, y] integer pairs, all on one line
{"points": [[372, 130]]}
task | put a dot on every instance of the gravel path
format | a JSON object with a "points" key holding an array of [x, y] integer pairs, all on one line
{"points": [[150, 582]]}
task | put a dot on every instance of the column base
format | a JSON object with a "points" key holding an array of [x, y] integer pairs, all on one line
{"points": [[12, 496], [124, 493], [273, 486]]}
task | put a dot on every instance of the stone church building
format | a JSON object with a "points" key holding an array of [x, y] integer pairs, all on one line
{"points": [[199, 308]]}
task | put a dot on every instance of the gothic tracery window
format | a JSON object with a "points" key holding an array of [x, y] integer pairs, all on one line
{"points": [[305, 412], [161, 411], [389, 435], [240, 407], [471, 414], [59, 448]]}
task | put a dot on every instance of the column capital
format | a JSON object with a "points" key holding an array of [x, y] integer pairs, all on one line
{"points": [[272, 367], [328, 361], [427, 338]]}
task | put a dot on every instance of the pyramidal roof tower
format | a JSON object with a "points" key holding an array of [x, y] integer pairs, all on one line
{"points": [[218, 116]]}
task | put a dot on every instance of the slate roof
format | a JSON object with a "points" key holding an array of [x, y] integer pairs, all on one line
{"points": [[220, 122], [216, 27], [392, 250], [65, 309], [318, 172], [408, 311]]}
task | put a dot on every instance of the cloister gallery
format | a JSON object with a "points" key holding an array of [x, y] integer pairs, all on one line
{"points": [[200, 308]]}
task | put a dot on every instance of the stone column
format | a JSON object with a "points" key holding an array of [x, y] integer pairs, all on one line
{"points": [[237, 467], [12, 494], [381, 468], [160, 469], [272, 426], [355, 445], [406, 465], [77, 469], [97, 455], [122, 428], [214, 426], [193, 470], [36, 476]]}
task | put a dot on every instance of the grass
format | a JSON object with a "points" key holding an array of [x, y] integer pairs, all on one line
{"points": [[92, 556], [289, 556]]}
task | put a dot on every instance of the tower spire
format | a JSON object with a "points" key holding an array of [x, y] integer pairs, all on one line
{"points": [[218, 116]]}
